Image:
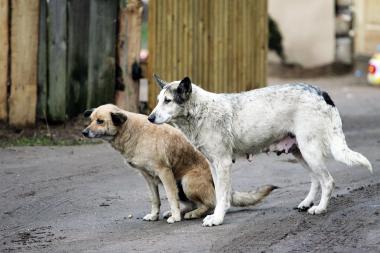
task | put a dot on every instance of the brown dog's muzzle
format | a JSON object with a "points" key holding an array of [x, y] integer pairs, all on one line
{"points": [[85, 132]]}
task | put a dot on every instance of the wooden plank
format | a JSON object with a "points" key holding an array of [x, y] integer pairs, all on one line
{"points": [[152, 26], [169, 32], [57, 67], [224, 67], [122, 56], [202, 46], [263, 46], [102, 52], [252, 37], [42, 79], [176, 20], [208, 58], [163, 38], [24, 45], [232, 44], [129, 44], [189, 41], [4, 60], [179, 39], [77, 56], [134, 16]]}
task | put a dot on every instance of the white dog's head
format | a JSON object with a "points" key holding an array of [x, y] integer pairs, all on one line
{"points": [[171, 100]]}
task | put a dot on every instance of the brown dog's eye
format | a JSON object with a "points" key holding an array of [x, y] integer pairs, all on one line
{"points": [[99, 121]]}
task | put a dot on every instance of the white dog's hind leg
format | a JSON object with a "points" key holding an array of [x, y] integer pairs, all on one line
{"points": [[314, 186], [327, 184], [308, 202], [222, 190], [315, 159]]}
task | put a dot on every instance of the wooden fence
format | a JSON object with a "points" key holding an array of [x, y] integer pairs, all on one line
{"points": [[76, 56], [59, 57], [220, 44]]}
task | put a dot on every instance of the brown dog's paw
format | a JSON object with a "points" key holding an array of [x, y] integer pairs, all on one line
{"points": [[151, 217]]}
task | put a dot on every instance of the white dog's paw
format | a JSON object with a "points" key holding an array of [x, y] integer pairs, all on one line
{"points": [[167, 214], [304, 206], [173, 219], [151, 217], [316, 210], [212, 220]]}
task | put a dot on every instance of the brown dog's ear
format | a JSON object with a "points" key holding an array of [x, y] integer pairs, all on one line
{"points": [[88, 112], [118, 118]]}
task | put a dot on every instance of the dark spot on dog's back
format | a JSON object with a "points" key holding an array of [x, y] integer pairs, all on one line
{"points": [[181, 194], [316, 90], [328, 99]]}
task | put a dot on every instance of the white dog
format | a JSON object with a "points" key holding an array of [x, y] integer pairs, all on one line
{"points": [[295, 118]]}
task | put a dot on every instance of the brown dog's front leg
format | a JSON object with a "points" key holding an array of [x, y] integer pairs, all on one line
{"points": [[167, 178], [155, 198]]}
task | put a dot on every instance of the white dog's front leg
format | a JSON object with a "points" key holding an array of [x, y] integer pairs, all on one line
{"points": [[223, 192]]}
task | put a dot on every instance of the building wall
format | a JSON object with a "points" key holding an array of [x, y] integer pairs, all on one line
{"points": [[367, 26], [308, 30]]}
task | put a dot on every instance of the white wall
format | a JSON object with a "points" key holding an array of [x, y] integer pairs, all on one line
{"points": [[367, 26], [307, 27]]}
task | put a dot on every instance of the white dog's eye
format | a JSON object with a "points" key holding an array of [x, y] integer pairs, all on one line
{"points": [[167, 101], [99, 121]]}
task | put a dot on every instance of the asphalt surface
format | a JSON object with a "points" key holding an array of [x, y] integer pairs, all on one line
{"points": [[84, 199]]}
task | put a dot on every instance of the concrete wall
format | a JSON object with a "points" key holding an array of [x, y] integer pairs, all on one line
{"points": [[367, 27], [308, 30]]}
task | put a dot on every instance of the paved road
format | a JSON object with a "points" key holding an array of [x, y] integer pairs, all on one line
{"points": [[78, 199]]}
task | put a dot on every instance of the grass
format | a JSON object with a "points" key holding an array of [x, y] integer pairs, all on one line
{"points": [[44, 141]]}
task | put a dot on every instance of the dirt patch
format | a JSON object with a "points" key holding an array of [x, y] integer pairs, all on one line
{"points": [[33, 239], [345, 228], [67, 133]]}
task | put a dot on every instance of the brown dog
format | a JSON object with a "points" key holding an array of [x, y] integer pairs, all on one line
{"points": [[163, 154]]}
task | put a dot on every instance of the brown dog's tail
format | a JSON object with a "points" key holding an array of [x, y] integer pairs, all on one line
{"points": [[252, 197]]}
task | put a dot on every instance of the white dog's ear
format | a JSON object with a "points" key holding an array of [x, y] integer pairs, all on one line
{"points": [[160, 83], [88, 112], [183, 91], [118, 118], [184, 86]]}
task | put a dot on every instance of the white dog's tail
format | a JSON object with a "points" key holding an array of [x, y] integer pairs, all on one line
{"points": [[252, 197], [338, 146]]}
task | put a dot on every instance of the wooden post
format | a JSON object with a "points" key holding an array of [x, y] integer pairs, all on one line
{"points": [[77, 58], [152, 29], [129, 43], [42, 63], [24, 45], [56, 101], [102, 51], [4, 61]]}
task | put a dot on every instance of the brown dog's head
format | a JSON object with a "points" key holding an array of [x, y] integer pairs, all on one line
{"points": [[105, 121]]}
